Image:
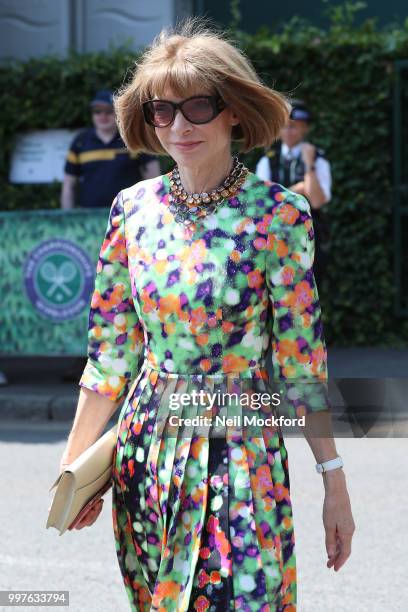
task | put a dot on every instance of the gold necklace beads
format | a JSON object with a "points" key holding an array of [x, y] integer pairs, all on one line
{"points": [[189, 208]]}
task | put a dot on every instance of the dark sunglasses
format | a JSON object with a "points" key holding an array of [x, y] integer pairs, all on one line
{"points": [[197, 109]]}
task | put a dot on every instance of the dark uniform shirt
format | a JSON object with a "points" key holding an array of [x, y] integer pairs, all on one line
{"points": [[103, 169], [291, 171]]}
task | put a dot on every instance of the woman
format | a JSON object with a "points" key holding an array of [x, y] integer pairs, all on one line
{"points": [[200, 271]]}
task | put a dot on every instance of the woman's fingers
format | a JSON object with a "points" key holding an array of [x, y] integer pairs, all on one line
{"points": [[91, 515], [339, 551], [333, 551], [331, 540], [345, 533], [344, 549], [339, 525]]}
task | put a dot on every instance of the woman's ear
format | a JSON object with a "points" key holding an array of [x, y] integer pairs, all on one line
{"points": [[234, 120]]}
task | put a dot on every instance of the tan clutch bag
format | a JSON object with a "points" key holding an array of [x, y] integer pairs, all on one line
{"points": [[84, 481]]}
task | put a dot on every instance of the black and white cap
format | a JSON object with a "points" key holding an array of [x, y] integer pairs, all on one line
{"points": [[300, 111]]}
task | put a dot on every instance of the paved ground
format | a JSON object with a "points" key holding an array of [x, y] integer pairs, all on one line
{"points": [[373, 578], [84, 562]]}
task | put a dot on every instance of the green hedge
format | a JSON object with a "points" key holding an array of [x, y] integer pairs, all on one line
{"points": [[346, 75]]}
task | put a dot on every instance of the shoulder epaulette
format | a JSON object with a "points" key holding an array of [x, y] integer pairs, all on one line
{"points": [[320, 152]]}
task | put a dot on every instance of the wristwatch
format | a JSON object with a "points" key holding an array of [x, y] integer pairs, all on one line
{"points": [[332, 464]]}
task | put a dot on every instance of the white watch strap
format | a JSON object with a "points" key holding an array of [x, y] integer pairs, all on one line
{"points": [[332, 464]]}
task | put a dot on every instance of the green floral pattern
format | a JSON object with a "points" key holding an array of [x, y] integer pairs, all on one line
{"points": [[203, 519]]}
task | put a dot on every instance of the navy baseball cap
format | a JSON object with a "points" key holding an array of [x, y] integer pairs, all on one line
{"points": [[300, 111], [103, 96]]}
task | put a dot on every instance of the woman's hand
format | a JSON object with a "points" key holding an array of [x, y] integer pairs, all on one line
{"points": [[93, 512], [337, 518], [92, 414]]}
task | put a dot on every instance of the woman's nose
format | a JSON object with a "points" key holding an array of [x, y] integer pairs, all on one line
{"points": [[180, 123]]}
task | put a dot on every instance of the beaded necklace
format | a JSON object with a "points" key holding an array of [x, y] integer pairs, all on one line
{"points": [[190, 208]]}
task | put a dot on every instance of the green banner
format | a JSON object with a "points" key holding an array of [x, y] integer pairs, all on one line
{"points": [[48, 264]]}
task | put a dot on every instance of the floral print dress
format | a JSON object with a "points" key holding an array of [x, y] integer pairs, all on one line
{"points": [[202, 516]]}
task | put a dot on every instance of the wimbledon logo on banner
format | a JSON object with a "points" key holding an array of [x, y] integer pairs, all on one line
{"points": [[58, 277]]}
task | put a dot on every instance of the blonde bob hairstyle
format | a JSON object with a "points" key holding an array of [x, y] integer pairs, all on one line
{"points": [[191, 59]]}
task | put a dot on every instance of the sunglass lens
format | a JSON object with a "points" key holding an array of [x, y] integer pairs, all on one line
{"points": [[198, 110], [160, 113]]}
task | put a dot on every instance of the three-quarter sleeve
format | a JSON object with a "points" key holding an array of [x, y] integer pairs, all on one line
{"points": [[299, 354], [115, 333]]}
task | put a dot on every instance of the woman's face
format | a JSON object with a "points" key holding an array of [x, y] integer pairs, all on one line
{"points": [[192, 144]]}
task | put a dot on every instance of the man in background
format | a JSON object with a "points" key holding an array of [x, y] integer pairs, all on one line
{"points": [[97, 167], [302, 167], [98, 163]]}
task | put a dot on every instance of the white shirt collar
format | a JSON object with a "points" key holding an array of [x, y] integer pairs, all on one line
{"points": [[293, 152]]}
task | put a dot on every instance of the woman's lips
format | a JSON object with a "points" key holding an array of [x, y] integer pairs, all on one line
{"points": [[187, 146]]}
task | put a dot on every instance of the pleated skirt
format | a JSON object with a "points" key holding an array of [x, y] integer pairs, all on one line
{"points": [[202, 517]]}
